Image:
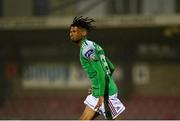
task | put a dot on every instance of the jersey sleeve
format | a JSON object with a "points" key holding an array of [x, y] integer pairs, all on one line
{"points": [[90, 53], [101, 76]]}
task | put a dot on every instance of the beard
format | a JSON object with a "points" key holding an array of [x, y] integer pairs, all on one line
{"points": [[76, 41]]}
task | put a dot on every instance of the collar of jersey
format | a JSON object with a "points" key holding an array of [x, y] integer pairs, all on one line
{"points": [[83, 41]]}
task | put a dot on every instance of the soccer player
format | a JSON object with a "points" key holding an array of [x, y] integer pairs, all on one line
{"points": [[103, 98]]}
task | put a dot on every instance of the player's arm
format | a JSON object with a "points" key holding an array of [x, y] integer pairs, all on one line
{"points": [[91, 55], [101, 75]]}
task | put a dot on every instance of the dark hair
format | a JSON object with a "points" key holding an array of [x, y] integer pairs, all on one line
{"points": [[85, 23]]}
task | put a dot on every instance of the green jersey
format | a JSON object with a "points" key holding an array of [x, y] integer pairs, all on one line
{"points": [[98, 68]]}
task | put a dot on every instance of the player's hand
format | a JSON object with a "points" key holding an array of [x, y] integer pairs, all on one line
{"points": [[100, 102], [89, 91]]}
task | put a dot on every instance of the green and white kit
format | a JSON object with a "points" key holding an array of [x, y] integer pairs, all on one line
{"points": [[99, 69]]}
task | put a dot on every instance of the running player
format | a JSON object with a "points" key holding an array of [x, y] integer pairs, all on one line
{"points": [[103, 99]]}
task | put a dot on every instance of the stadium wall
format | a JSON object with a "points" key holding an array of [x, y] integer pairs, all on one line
{"points": [[153, 52]]}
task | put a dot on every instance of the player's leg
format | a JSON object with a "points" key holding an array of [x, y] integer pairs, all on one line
{"points": [[114, 106], [88, 114], [96, 115]]}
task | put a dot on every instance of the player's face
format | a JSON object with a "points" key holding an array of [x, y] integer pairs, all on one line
{"points": [[76, 34]]}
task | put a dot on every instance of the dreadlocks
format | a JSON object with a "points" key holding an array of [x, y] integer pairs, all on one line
{"points": [[83, 22]]}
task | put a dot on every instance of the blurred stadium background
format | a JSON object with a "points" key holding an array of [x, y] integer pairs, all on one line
{"points": [[40, 74]]}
